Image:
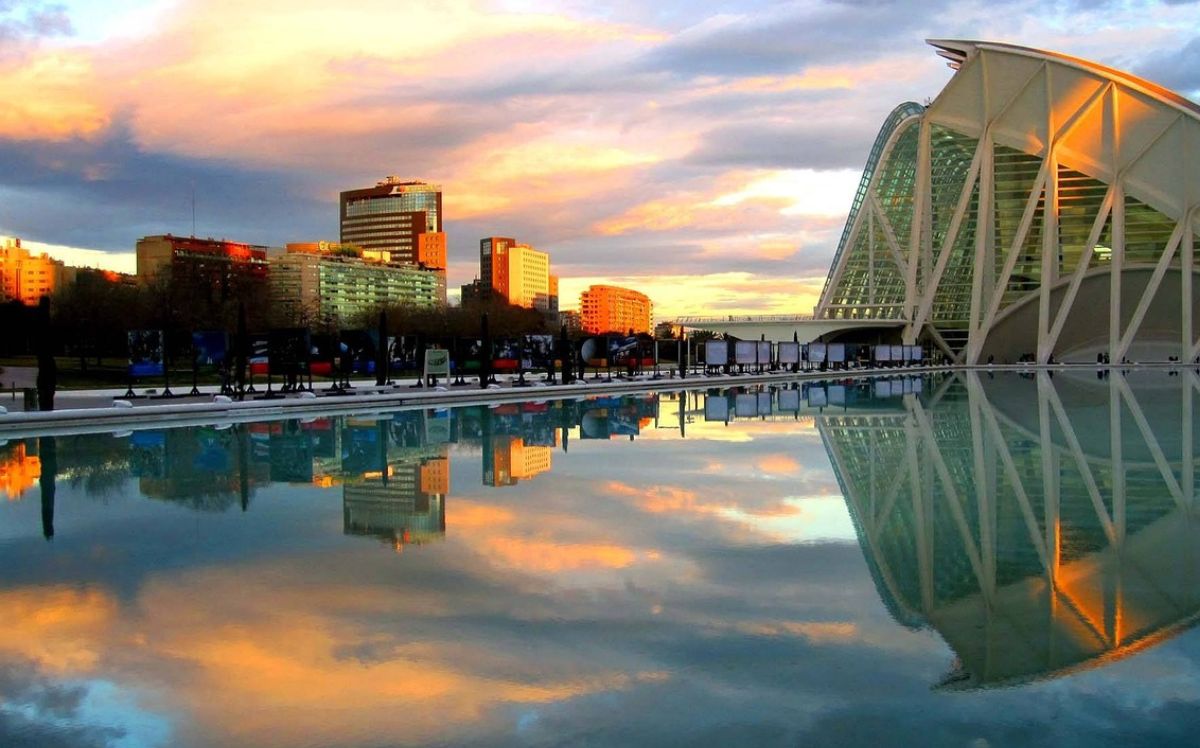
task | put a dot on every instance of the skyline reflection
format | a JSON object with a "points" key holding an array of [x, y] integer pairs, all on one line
{"points": [[729, 566]]}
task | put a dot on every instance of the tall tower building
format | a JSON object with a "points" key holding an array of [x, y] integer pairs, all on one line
{"points": [[398, 222], [517, 273]]}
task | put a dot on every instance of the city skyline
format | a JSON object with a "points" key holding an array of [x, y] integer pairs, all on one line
{"points": [[704, 158]]}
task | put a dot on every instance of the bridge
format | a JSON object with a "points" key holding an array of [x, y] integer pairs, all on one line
{"points": [[776, 327]]}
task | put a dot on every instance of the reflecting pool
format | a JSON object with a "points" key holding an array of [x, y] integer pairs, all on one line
{"points": [[954, 560]]}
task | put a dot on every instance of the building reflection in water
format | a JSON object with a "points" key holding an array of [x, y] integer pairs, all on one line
{"points": [[1037, 530], [393, 469], [20, 468], [1039, 525]]}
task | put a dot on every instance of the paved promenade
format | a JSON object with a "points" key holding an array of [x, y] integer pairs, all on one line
{"points": [[107, 409]]}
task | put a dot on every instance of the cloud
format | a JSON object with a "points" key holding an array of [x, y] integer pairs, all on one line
{"points": [[690, 140], [31, 19], [1177, 69]]}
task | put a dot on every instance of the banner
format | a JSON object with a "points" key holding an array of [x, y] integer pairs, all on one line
{"points": [[539, 352], [437, 362], [817, 397], [209, 347], [402, 353], [359, 346], [789, 353], [745, 405], [915, 354], [716, 408], [438, 423], [837, 353], [288, 349], [323, 353], [789, 400], [745, 352], [898, 353], [716, 353], [764, 352], [506, 354], [764, 403], [259, 357], [816, 353], [883, 388], [624, 351], [594, 351], [837, 394], [883, 353], [145, 353]]}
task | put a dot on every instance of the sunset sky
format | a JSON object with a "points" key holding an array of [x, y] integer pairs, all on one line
{"points": [[702, 152]]}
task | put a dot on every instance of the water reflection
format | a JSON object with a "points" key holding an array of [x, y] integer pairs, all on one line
{"points": [[1039, 528], [702, 584]]}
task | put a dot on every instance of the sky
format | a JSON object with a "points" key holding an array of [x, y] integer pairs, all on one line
{"points": [[705, 153]]}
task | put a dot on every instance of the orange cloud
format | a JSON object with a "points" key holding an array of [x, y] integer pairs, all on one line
{"points": [[778, 464], [50, 96], [553, 547], [820, 632], [257, 656], [547, 556], [59, 628]]}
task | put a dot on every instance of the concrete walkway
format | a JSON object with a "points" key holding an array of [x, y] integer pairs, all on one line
{"points": [[82, 411], [107, 410]]}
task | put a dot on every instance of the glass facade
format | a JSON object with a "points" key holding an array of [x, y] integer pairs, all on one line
{"points": [[976, 242]]}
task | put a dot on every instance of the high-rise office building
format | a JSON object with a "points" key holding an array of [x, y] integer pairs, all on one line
{"points": [[615, 309], [397, 222], [517, 273], [405, 503], [26, 277]]}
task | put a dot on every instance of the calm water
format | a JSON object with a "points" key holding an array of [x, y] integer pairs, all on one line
{"points": [[952, 561]]}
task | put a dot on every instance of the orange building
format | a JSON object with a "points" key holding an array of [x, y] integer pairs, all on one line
{"points": [[431, 250], [19, 471], [508, 459], [615, 309], [517, 273], [25, 277]]}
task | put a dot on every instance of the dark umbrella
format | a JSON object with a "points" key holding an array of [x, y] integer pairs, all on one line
{"points": [[381, 354], [48, 454], [240, 351], [564, 355], [485, 353], [47, 372]]}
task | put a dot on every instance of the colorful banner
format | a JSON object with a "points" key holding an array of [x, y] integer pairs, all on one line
{"points": [[260, 356], [210, 347], [145, 353], [539, 352]]}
